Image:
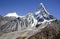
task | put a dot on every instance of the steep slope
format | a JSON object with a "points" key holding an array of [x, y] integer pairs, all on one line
{"points": [[19, 24], [42, 15], [4, 20], [49, 32]]}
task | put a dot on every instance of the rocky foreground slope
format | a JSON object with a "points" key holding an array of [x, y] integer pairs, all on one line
{"points": [[40, 25], [50, 31]]}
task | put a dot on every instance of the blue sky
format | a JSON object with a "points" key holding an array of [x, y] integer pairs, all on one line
{"points": [[22, 7]]}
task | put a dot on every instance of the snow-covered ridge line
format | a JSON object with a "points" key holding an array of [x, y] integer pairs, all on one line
{"points": [[40, 16]]}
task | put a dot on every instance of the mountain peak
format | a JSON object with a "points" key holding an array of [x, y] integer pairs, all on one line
{"points": [[42, 15], [14, 14]]}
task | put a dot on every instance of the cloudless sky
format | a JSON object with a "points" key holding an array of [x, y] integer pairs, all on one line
{"points": [[22, 7]]}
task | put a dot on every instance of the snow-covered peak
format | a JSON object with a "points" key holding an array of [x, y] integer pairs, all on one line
{"points": [[11, 15], [42, 15], [42, 7]]}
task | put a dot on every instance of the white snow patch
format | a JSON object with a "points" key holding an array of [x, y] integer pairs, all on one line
{"points": [[11, 15], [37, 12]]}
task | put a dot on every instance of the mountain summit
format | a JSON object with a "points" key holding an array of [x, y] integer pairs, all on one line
{"points": [[11, 14], [42, 15]]}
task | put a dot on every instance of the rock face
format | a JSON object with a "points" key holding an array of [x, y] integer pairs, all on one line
{"points": [[50, 32], [40, 25], [18, 24]]}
